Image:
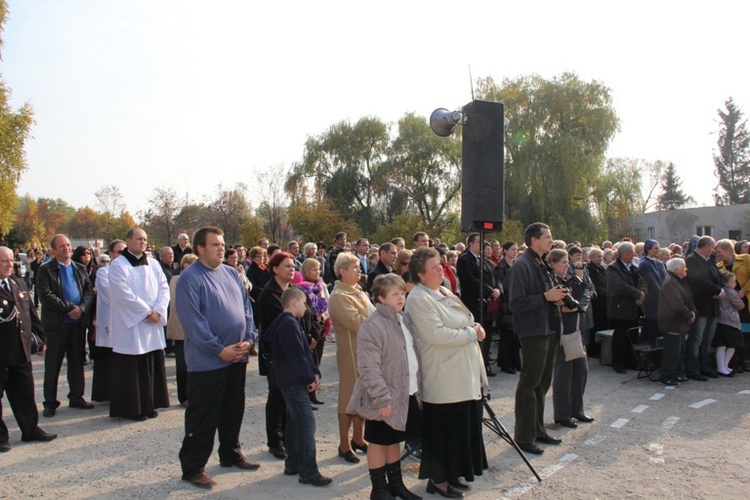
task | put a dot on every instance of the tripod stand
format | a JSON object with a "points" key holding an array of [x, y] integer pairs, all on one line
{"points": [[495, 425]]}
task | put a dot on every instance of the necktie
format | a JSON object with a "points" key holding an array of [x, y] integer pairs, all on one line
{"points": [[6, 287]]}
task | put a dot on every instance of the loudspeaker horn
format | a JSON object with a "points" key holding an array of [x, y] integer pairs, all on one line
{"points": [[442, 121]]}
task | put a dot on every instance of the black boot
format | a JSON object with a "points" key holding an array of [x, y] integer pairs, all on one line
{"points": [[379, 485], [396, 484]]}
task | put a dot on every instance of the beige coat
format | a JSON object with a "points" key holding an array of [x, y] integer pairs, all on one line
{"points": [[384, 369], [174, 327], [452, 366], [348, 307]]}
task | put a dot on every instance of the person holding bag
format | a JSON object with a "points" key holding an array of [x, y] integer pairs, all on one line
{"points": [[571, 369]]}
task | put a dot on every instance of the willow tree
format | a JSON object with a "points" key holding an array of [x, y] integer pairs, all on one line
{"points": [[556, 144], [15, 129]]}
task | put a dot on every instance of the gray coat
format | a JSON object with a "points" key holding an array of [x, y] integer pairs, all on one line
{"points": [[383, 369]]}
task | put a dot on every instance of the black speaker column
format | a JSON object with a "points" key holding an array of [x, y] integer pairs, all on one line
{"points": [[482, 184]]}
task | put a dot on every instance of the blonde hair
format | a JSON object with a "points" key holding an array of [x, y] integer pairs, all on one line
{"points": [[345, 259], [308, 265], [384, 283]]}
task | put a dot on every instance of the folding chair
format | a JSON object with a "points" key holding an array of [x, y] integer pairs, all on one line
{"points": [[647, 355]]}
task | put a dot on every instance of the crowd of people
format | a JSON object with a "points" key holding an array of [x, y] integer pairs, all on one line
{"points": [[413, 326]]}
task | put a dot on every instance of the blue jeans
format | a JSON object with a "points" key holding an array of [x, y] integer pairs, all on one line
{"points": [[698, 345], [299, 435]]}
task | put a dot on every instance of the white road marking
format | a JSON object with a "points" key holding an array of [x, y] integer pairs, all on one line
{"points": [[619, 423], [639, 409], [544, 474], [669, 387], [595, 440], [747, 391], [656, 451], [701, 404], [657, 396], [669, 422]]}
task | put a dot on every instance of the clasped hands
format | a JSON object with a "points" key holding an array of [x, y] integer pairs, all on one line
{"points": [[234, 353]]}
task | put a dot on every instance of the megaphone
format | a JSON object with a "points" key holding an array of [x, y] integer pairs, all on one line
{"points": [[442, 121]]}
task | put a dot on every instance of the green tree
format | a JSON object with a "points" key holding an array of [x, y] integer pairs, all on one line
{"points": [[559, 132], [424, 172], [733, 159], [672, 196], [317, 220], [86, 223], [345, 163], [15, 129]]}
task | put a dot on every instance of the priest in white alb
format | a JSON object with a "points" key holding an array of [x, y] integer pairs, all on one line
{"points": [[139, 296]]}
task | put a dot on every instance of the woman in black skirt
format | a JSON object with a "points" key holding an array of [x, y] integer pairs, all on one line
{"points": [[453, 377], [386, 394]]}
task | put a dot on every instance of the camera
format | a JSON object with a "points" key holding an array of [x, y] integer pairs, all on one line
{"points": [[568, 300]]}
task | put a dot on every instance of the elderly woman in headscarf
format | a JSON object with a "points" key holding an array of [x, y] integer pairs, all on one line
{"points": [[654, 273]]}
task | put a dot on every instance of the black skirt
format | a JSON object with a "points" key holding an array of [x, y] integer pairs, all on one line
{"points": [[728, 336], [380, 433], [452, 443]]}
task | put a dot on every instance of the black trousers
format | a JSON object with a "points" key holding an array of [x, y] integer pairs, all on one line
{"points": [[275, 410], [538, 358], [622, 352], [181, 373], [508, 351], [68, 342], [217, 402], [18, 383]]}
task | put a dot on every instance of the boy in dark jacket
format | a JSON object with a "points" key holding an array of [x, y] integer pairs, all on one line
{"points": [[297, 375]]}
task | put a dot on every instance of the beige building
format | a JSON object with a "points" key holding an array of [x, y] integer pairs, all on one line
{"points": [[676, 226]]}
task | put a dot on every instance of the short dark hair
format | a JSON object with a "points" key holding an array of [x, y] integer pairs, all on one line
{"points": [[534, 230], [229, 252], [339, 235], [272, 248], [472, 238], [200, 236], [418, 235], [385, 248], [418, 262]]}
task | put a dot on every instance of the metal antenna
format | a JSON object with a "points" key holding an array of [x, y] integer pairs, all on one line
{"points": [[471, 82]]}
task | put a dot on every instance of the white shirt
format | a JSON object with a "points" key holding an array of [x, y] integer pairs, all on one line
{"points": [[412, 357], [103, 336], [134, 292]]}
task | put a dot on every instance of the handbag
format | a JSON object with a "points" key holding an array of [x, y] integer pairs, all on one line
{"points": [[572, 345]]}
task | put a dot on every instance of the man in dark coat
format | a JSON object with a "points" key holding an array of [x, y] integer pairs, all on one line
{"points": [[18, 319], [66, 294], [624, 296], [705, 284], [468, 271], [388, 255]]}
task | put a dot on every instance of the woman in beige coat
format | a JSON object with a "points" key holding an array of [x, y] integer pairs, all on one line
{"points": [[453, 376], [348, 307], [176, 334]]}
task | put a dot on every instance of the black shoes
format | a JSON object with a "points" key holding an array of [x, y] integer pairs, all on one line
{"points": [[489, 371], [38, 435], [360, 447], [567, 423], [349, 456], [4, 447], [278, 451], [48, 412], [449, 492], [682, 379], [584, 418], [81, 404], [619, 369], [669, 382], [710, 374], [530, 448], [316, 401], [242, 463], [698, 377], [730, 374], [548, 440], [509, 371], [318, 480]]}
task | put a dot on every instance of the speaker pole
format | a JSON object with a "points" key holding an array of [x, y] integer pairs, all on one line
{"points": [[481, 281]]}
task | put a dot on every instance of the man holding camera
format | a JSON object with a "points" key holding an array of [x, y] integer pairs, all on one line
{"points": [[533, 299]]}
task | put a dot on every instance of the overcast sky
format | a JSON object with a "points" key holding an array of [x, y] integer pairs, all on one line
{"points": [[193, 93]]}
